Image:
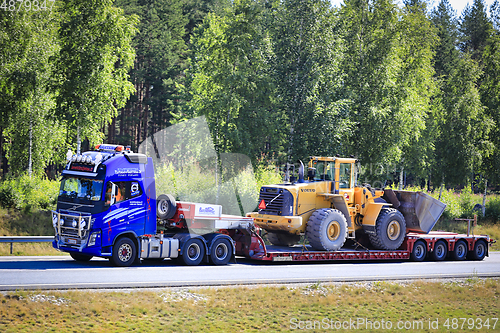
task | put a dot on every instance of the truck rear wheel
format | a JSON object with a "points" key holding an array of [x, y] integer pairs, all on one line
{"points": [[193, 253], [460, 251], [327, 229], [220, 252], [80, 257], [480, 250], [165, 206], [124, 252], [419, 251], [440, 251], [390, 230], [282, 239]]}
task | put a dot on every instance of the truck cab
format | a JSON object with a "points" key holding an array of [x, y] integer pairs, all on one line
{"points": [[105, 194]]}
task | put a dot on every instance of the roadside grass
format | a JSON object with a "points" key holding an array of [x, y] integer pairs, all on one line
{"points": [[29, 249], [16, 223], [317, 307]]}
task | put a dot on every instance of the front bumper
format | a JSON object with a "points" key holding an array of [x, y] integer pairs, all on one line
{"points": [[289, 224]]}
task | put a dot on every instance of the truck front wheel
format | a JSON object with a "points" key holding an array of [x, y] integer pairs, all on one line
{"points": [[194, 250], [124, 252], [80, 257]]}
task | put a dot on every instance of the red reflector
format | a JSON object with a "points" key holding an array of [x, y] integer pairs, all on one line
{"points": [[262, 204]]}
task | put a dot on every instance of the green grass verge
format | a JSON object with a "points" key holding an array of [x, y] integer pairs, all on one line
{"points": [[319, 307]]}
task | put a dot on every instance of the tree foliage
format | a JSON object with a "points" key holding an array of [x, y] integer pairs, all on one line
{"points": [[394, 84], [93, 64], [230, 83]]}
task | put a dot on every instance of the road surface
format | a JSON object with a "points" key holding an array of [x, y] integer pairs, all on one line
{"points": [[62, 272]]}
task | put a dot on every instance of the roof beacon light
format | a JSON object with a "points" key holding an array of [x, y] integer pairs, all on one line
{"points": [[109, 148]]}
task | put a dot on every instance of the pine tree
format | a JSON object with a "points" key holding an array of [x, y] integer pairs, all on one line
{"points": [[475, 29], [490, 90]]}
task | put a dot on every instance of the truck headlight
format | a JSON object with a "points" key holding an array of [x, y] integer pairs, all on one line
{"points": [[93, 238]]}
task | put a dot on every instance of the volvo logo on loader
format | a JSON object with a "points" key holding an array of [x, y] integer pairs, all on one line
{"points": [[308, 190]]}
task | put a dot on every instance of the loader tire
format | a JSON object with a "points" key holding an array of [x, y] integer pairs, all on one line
{"points": [[390, 230], [282, 239], [327, 229]]}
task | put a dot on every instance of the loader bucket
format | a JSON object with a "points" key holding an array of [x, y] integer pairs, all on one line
{"points": [[421, 211]]}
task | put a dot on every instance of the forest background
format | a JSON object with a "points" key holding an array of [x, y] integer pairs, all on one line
{"points": [[411, 91]]}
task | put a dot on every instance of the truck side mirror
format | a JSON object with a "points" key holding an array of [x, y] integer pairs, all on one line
{"points": [[114, 188]]}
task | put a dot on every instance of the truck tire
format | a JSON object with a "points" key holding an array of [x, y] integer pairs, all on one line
{"points": [[440, 251], [80, 257], [460, 251], [419, 251], [194, 251], [220, 252], [165, 206], [480, 250], [327, 229], [390, 230], [124, 252], [282, 239]]}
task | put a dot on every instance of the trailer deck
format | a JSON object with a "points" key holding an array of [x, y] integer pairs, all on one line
{"points": [[306, 253]]}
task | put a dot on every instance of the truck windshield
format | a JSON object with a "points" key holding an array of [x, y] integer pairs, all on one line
{"points": [[81, 188]]}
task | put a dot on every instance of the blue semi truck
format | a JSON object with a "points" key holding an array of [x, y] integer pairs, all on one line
{"points": [[108, 207]]}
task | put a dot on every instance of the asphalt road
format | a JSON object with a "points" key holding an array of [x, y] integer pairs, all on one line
{"points": [[62, 272]]}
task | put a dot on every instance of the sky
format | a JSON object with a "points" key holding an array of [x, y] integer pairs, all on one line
{"points": [[458, 5]]}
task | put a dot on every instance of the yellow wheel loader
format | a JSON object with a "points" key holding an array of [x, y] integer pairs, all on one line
{"points": [[328, 208]]}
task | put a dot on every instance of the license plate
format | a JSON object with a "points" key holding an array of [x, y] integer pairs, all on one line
{"points": [[72, 241]]}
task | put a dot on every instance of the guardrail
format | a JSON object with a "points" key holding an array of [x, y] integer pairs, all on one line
{"points": [[25, 239]]}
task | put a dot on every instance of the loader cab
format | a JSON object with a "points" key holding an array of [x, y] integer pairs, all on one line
{"points": [[339, 170]]}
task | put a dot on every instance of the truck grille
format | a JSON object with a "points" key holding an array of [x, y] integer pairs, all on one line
{"points": [[71, 227], [278, 201]]}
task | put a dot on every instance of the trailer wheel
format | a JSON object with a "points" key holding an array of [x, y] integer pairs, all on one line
{"points": [[460, 251], [440, 251], [80, 257], [390, 230], [282, 239], [327, 229], [193, 253], [220, 252], [419, 251], [480, 250], [124, 252], [165, 206]]}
